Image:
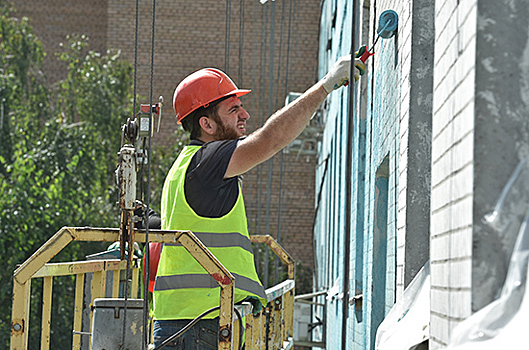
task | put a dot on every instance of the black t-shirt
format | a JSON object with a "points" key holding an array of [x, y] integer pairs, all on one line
{"points": [[207, 192]]}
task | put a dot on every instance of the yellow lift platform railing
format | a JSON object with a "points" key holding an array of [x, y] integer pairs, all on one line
{"points": [[271, 328]]}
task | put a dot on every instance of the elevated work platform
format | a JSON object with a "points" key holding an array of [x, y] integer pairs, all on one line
{"points": [[271, 328]]}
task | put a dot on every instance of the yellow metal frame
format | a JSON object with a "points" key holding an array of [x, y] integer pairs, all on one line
{"points": [[99, 268], [278, 250], [270, 328], [37, 266], [275, 324]]}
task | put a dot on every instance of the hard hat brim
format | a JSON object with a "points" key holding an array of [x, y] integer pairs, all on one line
{"points": [[238, 93]]}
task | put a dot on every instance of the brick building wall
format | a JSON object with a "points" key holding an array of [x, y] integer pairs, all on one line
{"points": [[192, 35], [53, 20]]}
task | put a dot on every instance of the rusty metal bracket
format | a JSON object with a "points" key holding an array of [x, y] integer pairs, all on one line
{"points": [[356, 300]]}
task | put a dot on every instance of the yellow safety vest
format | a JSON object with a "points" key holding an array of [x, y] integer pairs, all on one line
{"points": [[183, 289]]}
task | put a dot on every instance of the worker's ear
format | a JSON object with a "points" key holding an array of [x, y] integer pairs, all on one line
{"points": [[207, 124]]}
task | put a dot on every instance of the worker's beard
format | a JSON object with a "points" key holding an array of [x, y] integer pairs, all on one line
{"points": [[223, 132]]}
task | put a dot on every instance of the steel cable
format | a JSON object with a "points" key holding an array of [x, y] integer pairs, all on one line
{"points": [[128, 272], [227, 38], [147, 257]]}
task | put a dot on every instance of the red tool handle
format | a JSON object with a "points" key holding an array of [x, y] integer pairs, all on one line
{"points": [[366, 55], [363, 57]]}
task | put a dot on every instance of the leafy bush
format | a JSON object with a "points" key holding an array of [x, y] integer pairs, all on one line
{"points": [[58, 152]]}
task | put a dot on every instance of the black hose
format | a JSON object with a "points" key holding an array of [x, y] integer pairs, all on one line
{"points": [[198, 318], [189, 325], [240, 327]]}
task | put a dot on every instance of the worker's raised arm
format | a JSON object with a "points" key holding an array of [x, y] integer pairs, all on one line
{"points": [[277, 132], [287, 123]]}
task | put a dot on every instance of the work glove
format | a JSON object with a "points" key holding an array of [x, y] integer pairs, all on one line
{"points": [[256, 303], [155, 221], [339, 73]]}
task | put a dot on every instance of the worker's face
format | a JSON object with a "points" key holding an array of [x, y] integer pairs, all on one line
{"points": [[233, 117]]}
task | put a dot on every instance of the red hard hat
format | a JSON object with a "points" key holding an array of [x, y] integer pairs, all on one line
{"points": [[200, 89]]}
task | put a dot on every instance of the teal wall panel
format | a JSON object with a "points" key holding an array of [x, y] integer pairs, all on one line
{"points": [[372, 262]]}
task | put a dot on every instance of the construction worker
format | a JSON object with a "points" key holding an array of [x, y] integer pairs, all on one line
{"points": [[202, 193]]}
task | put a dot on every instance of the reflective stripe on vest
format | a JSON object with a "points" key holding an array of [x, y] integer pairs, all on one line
{"points": [[204, 281], [220, 240]]}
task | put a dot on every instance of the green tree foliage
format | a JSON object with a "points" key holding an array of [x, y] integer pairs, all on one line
{"points": [[58, 151]]}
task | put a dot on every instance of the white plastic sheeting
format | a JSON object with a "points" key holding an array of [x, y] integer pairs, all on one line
{"points": [[407, 323], [504, 321], [495, 326]]}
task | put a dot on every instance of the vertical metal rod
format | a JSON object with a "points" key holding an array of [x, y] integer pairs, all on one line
{"points": [[262, 62], [115, 283], [227, 38], [147, 270], [136, 57], [278, 234], [281, 161], [241, 40], [270, 162], [348, 175]]}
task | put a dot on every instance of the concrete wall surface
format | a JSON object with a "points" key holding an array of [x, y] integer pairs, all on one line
{"points": [[480, 134]]}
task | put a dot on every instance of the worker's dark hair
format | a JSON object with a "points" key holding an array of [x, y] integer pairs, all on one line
{"points": [[191, 123]]}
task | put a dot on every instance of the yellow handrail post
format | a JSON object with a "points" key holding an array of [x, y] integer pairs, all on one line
{"points": [[103, 283], [115, 283], [20, 315], [95, 292], [268, 319], [46, 313], [288, 314], [135, 283], [280, 322], [277, 334], [253, 331], [78, 311]]}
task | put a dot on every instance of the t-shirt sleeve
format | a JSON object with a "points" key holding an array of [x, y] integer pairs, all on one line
{"points": [[211, 162], [207, 192]]}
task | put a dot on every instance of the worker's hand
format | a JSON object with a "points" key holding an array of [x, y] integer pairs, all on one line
{"points": [[256, 303], [339, 73], [360, 69], [362, 54]]}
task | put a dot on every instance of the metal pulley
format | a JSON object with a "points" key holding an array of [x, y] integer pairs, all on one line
{"points": [[130, 131], [127, 179]]}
